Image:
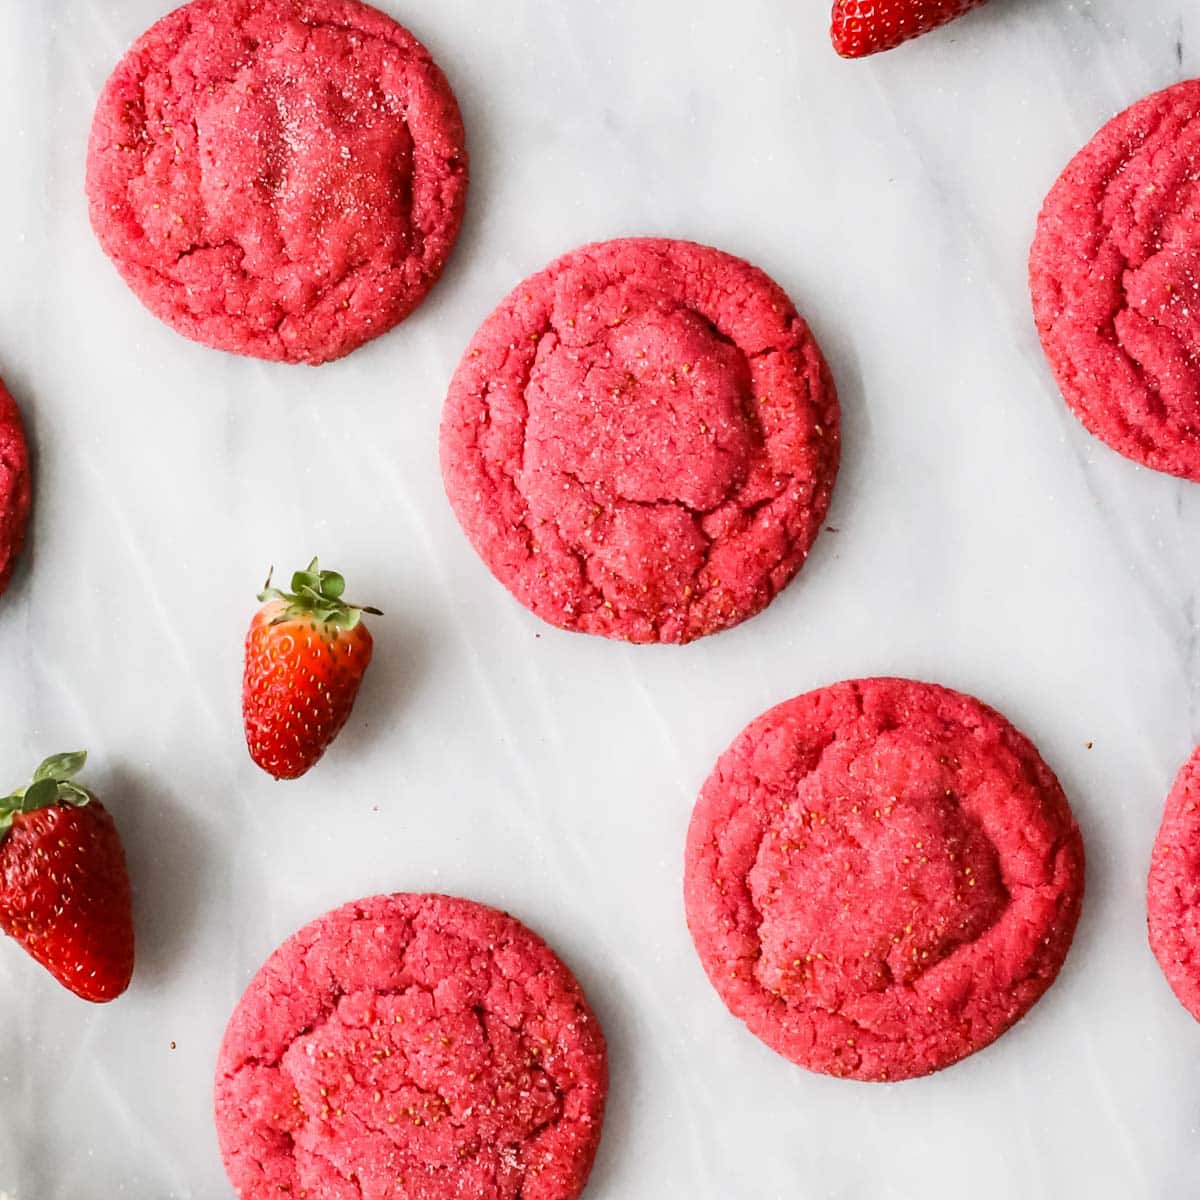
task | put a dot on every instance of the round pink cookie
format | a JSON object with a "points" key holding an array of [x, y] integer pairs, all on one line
{"points": [[280, 178], [641, 441], [411, 1047], [16, 493], [881, 878], [1115, 275], [1173, 893]]}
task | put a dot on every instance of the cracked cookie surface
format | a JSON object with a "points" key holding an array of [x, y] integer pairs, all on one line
{"points": [[415, 1047], [1115, 278], [641, 441], [882, 876], [1173, 891], [16, 495], [278, 178]]}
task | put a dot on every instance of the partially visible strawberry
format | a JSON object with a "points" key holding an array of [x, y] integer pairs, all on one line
{"points": [[862, 27], [64, 889], [306, 654]]}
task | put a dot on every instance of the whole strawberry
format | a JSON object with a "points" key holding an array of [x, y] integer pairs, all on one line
{"points": [[306, 653], [862, 27], [64, 889]]}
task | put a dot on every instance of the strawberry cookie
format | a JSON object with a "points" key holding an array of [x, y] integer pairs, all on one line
{"points": [[412, 1045], [1115, 275], [641, 441], [881, 878], [1173, 893], [279, 178], [15, 489]]}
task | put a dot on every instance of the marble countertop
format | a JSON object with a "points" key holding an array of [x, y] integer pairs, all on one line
{"points": [[983, 540]]}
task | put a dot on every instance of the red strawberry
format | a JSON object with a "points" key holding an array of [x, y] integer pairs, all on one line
{"points": [[306, 654], [64, 889], [862, 27]]}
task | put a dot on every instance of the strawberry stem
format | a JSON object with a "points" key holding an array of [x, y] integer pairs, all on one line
{"points": [[53, 783], [318, 594]]}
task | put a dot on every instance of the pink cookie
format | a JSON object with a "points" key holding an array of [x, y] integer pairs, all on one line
{"points": [[16, 494], [641, 441], [1173, 893], [416, 1048], [280, 178], [881, 878], [1115, 274]]}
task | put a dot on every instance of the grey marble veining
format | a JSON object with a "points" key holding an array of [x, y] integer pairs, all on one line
{"points": [[983, 540]]}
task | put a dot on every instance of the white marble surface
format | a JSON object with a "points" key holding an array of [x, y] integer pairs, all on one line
{"points": [[984, 540]]}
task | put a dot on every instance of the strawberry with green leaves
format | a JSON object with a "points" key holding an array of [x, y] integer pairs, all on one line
{"points": [[306, 653], [862, 27], [64, 887]]}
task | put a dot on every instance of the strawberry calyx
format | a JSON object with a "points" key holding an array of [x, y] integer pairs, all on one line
{"points": [[317, 594], [53, 783]]}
